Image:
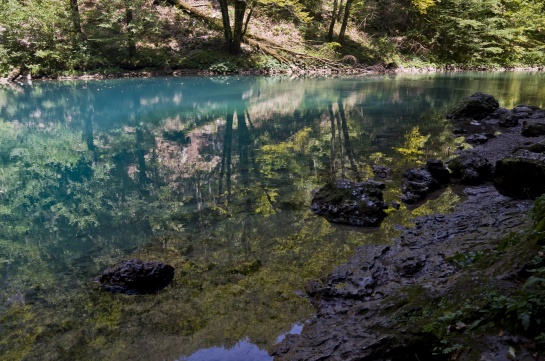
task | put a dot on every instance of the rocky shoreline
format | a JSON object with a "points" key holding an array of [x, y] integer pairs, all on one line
{"points": [[355, 70], [399, 301]]}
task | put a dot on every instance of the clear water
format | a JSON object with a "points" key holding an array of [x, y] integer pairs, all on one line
{"points": [[211, 175]]}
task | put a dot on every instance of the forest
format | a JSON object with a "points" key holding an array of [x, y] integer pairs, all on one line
{"points": [[60, 38]]}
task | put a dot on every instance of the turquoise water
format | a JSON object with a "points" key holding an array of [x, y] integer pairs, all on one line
{"points": [[211, 175]]}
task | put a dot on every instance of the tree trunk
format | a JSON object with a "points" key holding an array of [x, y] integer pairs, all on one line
{"points": [[226, 24], [333, 19], [345, 20], [130, 34], [240, 10], [76, 20]]}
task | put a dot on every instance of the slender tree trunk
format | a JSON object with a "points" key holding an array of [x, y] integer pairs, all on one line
{"points": [[332, 24], [345, 20], [240, 11], [340, 12], [76, 19], [227, 33], [130, 34]]}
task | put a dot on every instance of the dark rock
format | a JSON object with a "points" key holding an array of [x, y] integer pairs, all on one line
{"points": [[533, 129], [396, 205], [523, 109], [416, 184], [507, 118], [381, 171], [459, 131], [471, 168], [365, 308], [521, 176], [356, 204], [534, 147], [479, 138], [537, 147], [136, 277], [438, 171], [477, 106]]}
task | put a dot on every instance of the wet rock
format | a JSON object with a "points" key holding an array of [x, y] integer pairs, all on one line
{"points": [[458, 131], [505, 117], [524, 109], [534, 147], [533, 129], [346, 202], [359, 305], [381, 171], [136, 277], [477, 106], [471, 168], [521, 176], [416, 184], [479, 138], [438, 171]]}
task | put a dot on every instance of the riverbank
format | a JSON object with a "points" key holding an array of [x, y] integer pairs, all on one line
{"points": [[433, 293], [372, 69]]}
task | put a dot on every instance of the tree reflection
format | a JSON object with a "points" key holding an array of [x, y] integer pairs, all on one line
{"points": [[211, 176]]}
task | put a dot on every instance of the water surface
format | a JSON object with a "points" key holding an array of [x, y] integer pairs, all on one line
{"points": [[211, 175]]}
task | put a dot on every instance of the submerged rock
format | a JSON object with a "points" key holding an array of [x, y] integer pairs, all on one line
{"points": [[521, 176], [477, 106], [346, 202], [471, 168], [381, 171], [136, 277]]}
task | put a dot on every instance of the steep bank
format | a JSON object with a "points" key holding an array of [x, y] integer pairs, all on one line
{"points": [[431, 293]]}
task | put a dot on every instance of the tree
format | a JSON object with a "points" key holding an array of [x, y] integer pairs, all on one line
{"points": [[333, 20], [345, 20], [234, 37]]}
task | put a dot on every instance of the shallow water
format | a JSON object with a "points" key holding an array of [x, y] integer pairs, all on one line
{"points": [[211, 175]]}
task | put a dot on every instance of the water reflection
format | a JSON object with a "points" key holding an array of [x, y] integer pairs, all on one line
{"points": [[211, 175], [242, 351]]}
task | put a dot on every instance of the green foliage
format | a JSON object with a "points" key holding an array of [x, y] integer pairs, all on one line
{"points": [[538, 214], [34, 35], [481, 31], [223, 67], [525, 309]]}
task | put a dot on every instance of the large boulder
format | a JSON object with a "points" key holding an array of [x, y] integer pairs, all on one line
{"points": [[477, 106], [356, 204], [471, 168], [136, 277], [521, 176]]}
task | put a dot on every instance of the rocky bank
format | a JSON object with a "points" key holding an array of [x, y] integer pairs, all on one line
{"points": [[402, 301]]}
